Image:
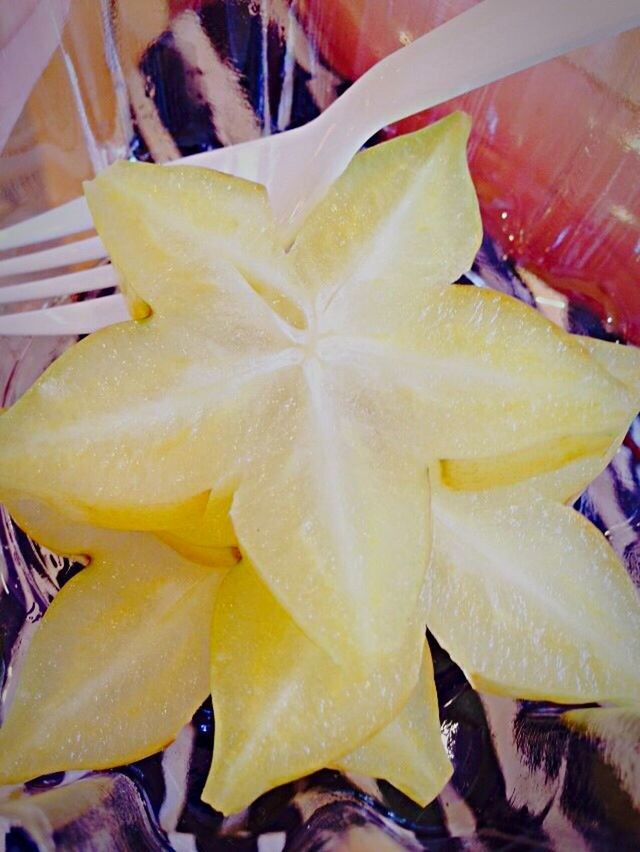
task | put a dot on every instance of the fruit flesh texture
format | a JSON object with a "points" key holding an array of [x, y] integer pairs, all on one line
{"points": [[95, 621], [207, 538], [408, 752], [537, 580], [283, 707], [121, 660], [327, 365], [203, 535], [563, 484], [314, 386], [536, 585]]}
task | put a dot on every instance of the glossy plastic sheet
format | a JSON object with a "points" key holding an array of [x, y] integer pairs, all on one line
{"points": [[555, 159]]}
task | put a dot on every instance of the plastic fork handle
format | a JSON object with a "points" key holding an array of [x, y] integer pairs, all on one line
{"points": [[486, 43], [490, 41]]}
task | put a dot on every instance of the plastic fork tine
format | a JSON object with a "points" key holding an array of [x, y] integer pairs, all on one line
{"points": [[61, 285], [89, 249], [70, 218], [77, 318]]}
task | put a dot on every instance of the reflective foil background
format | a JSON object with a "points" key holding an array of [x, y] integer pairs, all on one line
{"points": [[555, 155]]}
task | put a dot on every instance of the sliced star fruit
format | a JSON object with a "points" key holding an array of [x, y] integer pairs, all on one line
{"points": [[408, 752], [120, 661], [621, 361], [530, 599], [567, 482], [562, 484], [142, 707], [207, 538], [284, 709], [529, 586], [314, 386]]}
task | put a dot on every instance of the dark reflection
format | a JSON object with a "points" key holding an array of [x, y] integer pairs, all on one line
{"points": [[279, 81], [169, 87]]}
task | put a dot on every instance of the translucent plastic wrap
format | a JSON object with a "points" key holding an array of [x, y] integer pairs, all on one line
{"points": [[555, 155]]}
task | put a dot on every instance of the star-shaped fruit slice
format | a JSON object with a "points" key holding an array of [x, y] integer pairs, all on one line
{"points": [[206, 537], [530, 599], [523, 611], [313, 385], [120, 661], [284, 708], [527, 595], [408, 752]]}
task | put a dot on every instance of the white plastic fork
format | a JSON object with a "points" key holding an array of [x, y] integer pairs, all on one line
{"points": [[490, 41]]}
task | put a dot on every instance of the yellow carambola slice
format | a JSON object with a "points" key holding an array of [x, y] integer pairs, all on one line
{"points": [[120, 660], [477, 377], [532, 569], [530, 599], [402, 219], [179, 236], [283, 708], [525, 593], [207, 538], [623, 363], [408, 752], [203, 537], [568, 453], [120, 663], [313, 387]]}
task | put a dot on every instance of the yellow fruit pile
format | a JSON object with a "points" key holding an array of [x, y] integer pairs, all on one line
{"points": [[379, 449]]}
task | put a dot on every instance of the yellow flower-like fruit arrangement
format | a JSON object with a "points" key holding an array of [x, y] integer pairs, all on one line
{"points": [[290, 462]]}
